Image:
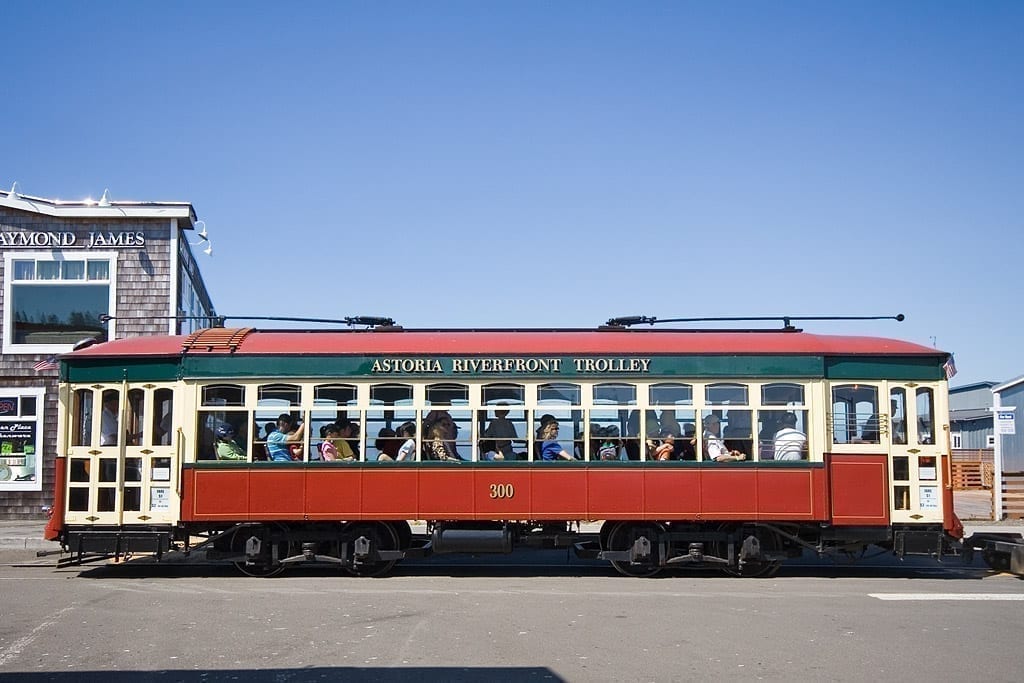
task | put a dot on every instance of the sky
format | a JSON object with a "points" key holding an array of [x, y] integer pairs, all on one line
{"points": [[542, 164]]}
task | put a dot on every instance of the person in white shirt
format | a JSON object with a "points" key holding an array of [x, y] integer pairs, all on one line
{"points": [[714, 448], [790, 442]]}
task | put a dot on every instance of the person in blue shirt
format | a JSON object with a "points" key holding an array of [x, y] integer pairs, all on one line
{"points": [[550, 449], [287, 433]]}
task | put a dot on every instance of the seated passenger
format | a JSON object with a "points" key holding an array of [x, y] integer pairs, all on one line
{"points": [[550, 449], [687, 446], [331, 435], [502, 431], [610, 444], [387, 444], [440, 429], [790, 442], [407, 451], [286, 434], [666, 449], [227, 449], [342, 442], [714, 447], [489, 450], [869, 433]]}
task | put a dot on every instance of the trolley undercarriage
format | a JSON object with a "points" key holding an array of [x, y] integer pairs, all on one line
{"points": [[634, 548]]}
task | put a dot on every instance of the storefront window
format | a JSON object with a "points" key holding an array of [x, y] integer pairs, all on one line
{"points": [[21, 435]]}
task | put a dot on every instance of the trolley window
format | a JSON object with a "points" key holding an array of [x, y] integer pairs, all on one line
{"points": [[855, 417], [723, 393], [782, 394], [502, 425], [925, 416]]}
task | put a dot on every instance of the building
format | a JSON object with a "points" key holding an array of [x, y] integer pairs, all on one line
{"points": [[970, 416], [72, 273]]}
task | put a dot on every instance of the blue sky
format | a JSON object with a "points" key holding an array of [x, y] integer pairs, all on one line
{"points": [[532, 164]]}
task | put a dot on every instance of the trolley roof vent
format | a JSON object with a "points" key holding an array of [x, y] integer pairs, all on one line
{"points": [[216, 339]]}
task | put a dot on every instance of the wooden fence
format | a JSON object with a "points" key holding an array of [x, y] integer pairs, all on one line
{"points": [[973, 455], [972, 476], [1013, 495]]}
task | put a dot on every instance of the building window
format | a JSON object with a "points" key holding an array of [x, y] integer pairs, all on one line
{"points": [[21, 439], [990, 441], [55, 302], [955, 440]]}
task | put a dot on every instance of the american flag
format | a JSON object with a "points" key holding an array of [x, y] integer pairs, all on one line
{"points": [[46, 364], [950, 367]]}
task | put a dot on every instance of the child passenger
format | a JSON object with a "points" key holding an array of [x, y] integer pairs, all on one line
{"points": [[667, 447]]}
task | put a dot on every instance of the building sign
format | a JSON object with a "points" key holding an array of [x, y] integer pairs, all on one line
{"points": [[1005, 423], [95, 239]]}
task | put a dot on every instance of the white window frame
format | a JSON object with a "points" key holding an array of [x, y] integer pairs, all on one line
{"points": [[39, 393], [990, 441], [10, 257], [956, 440]]}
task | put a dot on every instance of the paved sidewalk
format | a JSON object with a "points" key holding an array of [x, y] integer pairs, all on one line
{"points": [[24, 535]]}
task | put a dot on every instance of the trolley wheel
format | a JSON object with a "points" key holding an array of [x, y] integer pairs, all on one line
{"points": [[264, 567], [622, 536], [382, 537]]}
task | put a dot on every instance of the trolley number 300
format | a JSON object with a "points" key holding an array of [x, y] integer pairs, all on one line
{"points": [[502, 491]]}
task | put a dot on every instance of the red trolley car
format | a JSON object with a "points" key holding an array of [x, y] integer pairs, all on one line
{"points": [[731, 449]]}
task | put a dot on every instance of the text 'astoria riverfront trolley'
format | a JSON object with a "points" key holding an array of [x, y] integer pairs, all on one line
{"points": [[730, 449]]}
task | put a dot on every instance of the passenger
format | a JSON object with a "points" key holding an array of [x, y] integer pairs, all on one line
{"points": [[286, 434], [386, 444], [595, 440], [688, 444], [651, 430], [350, 436], [407, 451], [666, 449], [489, 450], [669, 423], [295, 448], [738, 434], [109, 419], [766, 437], [610, 444], [441, 430], [550, 449], [331, 434], [342, 442], [790, 442], [714, 447], [869, 433], [227, 448], [502, 430]]}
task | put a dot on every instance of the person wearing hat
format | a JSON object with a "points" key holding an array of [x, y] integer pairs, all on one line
{"points": [[227, 449], [440, 431], [502, 431], [714, 447]]}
